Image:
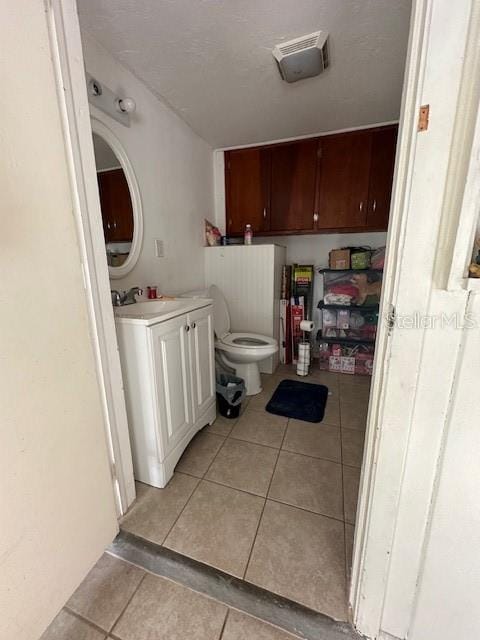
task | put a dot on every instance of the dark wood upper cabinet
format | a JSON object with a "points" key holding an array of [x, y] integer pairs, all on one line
{"points": [[339, 182], [384, 142], [246, 189], [343, 180], [292, 186], [116, 205]]}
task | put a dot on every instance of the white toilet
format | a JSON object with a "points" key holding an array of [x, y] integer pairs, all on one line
{"points": [[240, 351]]}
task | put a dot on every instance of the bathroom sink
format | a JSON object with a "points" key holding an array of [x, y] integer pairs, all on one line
{"points": [[152, 311]]}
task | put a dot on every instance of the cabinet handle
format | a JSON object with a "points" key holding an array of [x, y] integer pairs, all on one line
{"points": [[374, 205], [360, 206], [187, 328], [194, 324], [264, 213], [108, 226], [114, 225], [315, 217]]}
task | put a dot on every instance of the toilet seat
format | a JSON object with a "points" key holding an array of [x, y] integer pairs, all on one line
{"points": [[221, 317], [244, 341], [247, 341]]}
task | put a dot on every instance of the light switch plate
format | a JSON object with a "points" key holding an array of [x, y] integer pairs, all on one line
{"points": [[159, 249]]}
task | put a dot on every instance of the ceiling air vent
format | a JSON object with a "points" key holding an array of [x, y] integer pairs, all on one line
{"points": [[302, 57]]}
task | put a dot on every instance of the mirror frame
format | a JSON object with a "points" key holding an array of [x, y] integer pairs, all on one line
{"points": [[111, 139]]}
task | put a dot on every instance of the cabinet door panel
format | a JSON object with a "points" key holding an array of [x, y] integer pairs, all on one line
{"points": [[173, 384], [384, 142], [202, 355], [116, 205], [292, 200], [246, 189], [343, 180]]}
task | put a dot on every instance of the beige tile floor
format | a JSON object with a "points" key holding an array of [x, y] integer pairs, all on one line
{"points": [[119, 601], [268, 499]]}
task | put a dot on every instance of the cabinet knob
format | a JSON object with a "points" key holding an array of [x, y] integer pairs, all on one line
{"points": [[315, 217], [194, 324], [187, 328]]}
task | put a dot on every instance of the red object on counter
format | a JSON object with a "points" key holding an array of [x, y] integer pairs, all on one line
{"points": [[152, 293]]}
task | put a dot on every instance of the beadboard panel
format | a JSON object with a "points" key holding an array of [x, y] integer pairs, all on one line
{"points": [[249, 278]]}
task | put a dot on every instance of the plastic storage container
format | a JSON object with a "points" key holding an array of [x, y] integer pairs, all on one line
{"points": [[230, 394]]}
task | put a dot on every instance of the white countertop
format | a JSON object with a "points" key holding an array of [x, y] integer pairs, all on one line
{"points": [[150, 312]]}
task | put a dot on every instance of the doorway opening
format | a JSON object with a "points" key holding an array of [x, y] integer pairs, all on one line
{"points": [[273, 510]]}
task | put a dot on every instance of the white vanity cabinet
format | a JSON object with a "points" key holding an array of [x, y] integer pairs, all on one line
{"points": [[168, 368]]}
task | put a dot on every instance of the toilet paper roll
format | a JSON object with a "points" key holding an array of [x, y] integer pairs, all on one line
{"points": [[306, 325]]}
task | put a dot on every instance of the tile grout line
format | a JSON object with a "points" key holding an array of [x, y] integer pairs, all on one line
{"points": [[344, 523], [222, 631], [193, 492], [78, 616], [267, 497], [96, 626], [182, 509], [265, 502], [256, 495], [129, 601]]}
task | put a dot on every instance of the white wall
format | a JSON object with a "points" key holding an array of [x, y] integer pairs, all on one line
{"points": [[57, 506], [174, 169]]}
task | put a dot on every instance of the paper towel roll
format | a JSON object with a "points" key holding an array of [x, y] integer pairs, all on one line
{"points": [[306, 325]]}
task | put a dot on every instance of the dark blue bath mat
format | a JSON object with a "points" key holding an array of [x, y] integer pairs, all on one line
{"points": [[299, 400]]}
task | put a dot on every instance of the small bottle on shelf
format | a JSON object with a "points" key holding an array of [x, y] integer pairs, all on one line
{"points": [[248, 235]]}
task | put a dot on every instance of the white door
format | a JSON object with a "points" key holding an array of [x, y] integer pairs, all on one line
{"points": [[172, 379], [202, 359]]}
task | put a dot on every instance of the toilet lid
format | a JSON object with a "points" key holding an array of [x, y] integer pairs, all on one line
{"points": [[221, 317]]}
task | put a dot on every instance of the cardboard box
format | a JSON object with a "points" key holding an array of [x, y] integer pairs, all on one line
{"points": [[364, 364], [360, 259], [347, 364], [339, 259], [335, 363]]}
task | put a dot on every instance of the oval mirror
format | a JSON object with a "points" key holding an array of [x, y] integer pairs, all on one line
{"points": [[119, 201]]}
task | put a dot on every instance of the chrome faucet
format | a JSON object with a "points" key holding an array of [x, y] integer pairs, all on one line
{"points": [[116, 298], [126, 297], [129, 296]]}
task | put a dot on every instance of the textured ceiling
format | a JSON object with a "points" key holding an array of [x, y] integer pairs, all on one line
{"points": [[211, 61]]}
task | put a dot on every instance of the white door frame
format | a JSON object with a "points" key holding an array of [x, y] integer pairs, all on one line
{"points": [[443, 52], [67, 53], [385, 448]]}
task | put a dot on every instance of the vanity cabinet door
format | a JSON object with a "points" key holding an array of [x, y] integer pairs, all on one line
{"points": [[172, 379], [202, 359]]}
